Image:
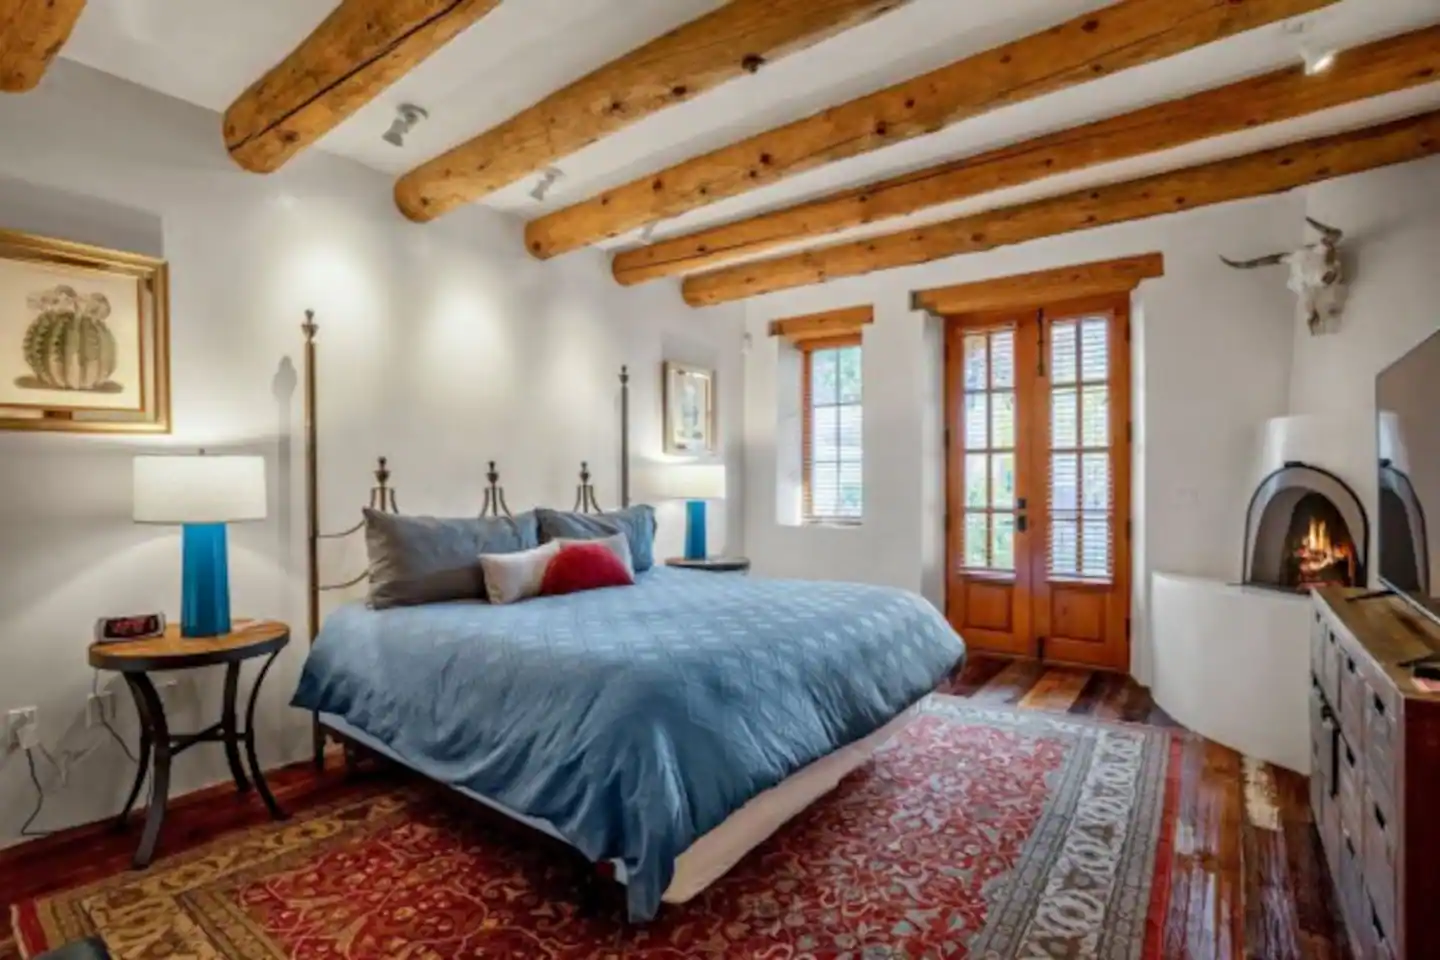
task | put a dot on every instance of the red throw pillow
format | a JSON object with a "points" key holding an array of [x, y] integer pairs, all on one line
{"points": [[584, 566]]}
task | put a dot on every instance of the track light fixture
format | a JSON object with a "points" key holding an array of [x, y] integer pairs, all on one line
{"points": [[547, 180], [407, 116]]}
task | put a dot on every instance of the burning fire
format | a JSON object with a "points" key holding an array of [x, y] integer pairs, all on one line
{"points": [[1319, 557]]}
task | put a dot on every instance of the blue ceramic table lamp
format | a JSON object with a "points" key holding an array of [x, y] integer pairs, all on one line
{"points": [[203, 494], [695, 483]]}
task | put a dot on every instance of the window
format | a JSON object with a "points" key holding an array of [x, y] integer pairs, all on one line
{"points": [[831, 449]]}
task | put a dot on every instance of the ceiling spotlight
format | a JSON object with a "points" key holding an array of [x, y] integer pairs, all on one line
{"points": [[1318, 61], [407, 115], [547, 180]]}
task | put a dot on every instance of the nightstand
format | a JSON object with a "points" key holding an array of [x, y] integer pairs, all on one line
{"points": [[712, 564], [137, 659]]}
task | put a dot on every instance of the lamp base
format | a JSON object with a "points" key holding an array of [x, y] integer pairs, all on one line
{"points": [[695, 540], [205, 581]]}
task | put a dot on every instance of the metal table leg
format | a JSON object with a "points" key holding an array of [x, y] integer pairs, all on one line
{"points": [[255, 772], [231, 730], [157, 735]]}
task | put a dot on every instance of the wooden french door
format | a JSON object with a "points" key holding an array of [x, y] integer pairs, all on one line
{"points": [[1038, 502]]}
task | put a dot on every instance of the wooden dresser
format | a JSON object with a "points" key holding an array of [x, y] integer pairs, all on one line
{"points": [[1375, 785]]}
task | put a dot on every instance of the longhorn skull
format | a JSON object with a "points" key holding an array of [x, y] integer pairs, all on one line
{"points": [[1317, 275]]}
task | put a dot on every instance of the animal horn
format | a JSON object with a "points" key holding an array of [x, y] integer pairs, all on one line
{"points": [[1331, 234], [1271, 260]]}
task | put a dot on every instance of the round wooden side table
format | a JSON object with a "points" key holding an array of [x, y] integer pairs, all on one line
{"points": [[136, 660]]}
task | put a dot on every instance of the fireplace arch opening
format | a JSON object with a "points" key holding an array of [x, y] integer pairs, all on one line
{"points": [[1305, 527]]}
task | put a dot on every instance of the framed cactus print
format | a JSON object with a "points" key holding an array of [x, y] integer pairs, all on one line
{"points": [[84, 338]]}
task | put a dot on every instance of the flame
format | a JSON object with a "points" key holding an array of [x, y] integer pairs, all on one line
{"points": [[1319, 556]]}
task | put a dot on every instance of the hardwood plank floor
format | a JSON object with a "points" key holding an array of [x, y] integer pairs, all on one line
{"points": [[1248, 879]]}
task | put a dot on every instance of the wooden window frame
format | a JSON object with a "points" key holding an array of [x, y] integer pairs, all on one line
{"points": [[806, 348]]}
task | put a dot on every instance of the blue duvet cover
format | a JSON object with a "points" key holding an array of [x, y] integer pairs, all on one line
{"points": [[633, 719]]}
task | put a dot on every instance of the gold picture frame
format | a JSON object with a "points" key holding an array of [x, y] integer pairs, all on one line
{"points": [[689, 409], [84, 338]]}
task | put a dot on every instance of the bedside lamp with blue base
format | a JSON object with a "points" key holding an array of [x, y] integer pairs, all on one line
{"points": [[202, 494], [695, 483]]}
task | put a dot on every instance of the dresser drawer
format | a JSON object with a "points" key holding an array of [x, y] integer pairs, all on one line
{"points": [[1378, 853], [1379, 937], [1381, 740], [1354, 694], [1350, 880], [1330, 667], [1350, 789]]}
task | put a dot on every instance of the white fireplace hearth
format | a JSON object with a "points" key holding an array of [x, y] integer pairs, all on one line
{"points": [[1233, 665], [1232, 661]]}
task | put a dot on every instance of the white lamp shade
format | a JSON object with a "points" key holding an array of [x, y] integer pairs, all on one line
{"points": [[686, 481], [199, 489]]}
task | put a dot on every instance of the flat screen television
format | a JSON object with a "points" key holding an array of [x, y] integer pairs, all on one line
{"points": [[1407, 404]]}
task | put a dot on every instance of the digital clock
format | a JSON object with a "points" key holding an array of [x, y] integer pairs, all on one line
{"points": [[121, 629]]}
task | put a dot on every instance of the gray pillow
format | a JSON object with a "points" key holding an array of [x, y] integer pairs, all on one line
{"points": [[416, 560], [637, 523]]}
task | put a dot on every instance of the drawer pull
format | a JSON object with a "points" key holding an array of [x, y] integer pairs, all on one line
{"points": [[1380, 818], [1379, 704]]}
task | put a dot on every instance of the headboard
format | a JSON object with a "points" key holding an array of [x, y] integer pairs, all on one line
{"points": [[383, 497]]}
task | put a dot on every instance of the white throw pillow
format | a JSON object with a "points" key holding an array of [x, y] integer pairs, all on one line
{"points": [[619, 545], [510, 577]]}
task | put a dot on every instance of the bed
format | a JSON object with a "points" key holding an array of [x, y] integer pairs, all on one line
{"points": [[667, 728]]}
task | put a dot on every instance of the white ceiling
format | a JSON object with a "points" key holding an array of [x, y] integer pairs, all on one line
{"points": [[208, 51]]}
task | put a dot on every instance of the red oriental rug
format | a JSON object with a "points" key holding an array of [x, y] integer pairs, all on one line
{"points": [[975, 832]]}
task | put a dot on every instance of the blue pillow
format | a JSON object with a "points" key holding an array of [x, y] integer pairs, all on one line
{"points": [[416, 560], [637, 523]]}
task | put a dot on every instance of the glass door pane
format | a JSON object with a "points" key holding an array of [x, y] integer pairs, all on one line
{"points": [[1081, 489], [987, 417]]}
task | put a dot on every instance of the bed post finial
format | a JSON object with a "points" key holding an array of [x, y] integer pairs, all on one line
{"points": [[382, 496], [585, 501], [494, 503], [310, 327]]}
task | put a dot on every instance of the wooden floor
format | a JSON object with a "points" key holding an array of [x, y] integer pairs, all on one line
{"points": [[1248, 879]]}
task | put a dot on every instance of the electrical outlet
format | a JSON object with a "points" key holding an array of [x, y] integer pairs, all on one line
{"points": [[99, 708], [24, 728]]}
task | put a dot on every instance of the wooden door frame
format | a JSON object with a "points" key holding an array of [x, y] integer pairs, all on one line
{"points": [[1031, 421]]}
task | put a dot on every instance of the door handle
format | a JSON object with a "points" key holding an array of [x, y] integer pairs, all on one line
{"points": [[1021, 522]]}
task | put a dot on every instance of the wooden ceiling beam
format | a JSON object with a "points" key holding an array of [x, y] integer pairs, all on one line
{"points": [[31, 35], [1018, 292], [843, 322], [738, 38], [1379, 68], [1253, 175], [357, 52], [1126, 34]]}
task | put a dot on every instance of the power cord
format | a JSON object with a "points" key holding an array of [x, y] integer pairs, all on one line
{"points": [[64, 768], [105, 721], [25, 830]]}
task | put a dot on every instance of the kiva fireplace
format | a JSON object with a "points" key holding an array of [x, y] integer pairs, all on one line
{"points": [[1305, 527]]}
